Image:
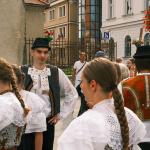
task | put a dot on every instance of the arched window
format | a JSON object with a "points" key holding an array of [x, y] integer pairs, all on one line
{"points": [[147, 39], [127, 46]]}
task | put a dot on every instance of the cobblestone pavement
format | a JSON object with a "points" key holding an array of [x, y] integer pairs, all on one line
{"points": [[60, 126]]}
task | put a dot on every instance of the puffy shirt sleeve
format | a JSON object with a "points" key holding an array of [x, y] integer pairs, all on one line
{"points": [[6, 112], [83, 133], [11, 111], [37, 123], [70, 96]]}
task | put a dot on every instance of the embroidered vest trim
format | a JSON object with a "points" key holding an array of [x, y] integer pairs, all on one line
{"points": [[136, 92], [54, 90]]}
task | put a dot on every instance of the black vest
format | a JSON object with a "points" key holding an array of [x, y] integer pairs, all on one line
{"points": [[54, 88]]}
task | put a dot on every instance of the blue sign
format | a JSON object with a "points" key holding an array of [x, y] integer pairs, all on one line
{"points": [[106, 36]]}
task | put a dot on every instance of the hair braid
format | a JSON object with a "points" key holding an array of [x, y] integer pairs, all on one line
{"points": [[119, 107], [14, 86]]}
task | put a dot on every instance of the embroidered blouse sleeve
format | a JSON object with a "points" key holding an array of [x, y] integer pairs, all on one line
{"points": [[6, 113], [70, 96], [37, 123], [82, 134]]}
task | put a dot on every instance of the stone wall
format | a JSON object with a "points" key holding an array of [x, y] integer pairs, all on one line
{"points": [[34, 22], [12, 30]]}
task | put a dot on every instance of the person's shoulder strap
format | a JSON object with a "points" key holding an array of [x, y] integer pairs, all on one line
{"points": [[81, 68]]}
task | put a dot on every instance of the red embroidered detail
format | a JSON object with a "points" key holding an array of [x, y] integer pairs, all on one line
{"points": [[52, 102], [135, 97], [30, 86], [12, 148]]}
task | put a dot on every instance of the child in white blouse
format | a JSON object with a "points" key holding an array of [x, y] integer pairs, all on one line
{"points": [[37, 123]]}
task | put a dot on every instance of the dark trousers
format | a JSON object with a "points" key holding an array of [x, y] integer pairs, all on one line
{"points": [[48, 136], [144, 146], [28, 140]]}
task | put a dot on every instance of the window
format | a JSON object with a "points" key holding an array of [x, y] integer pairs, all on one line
{"points": [[127, 46], [62, 11], [44, 16], [62, 32], [128, 6], [111, 8], [52, 14], [147, 4], [147, 39], [52, 31]]}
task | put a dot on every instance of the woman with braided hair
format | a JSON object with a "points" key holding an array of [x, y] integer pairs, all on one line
{"points": [[13, 113], [37, 123], [108, 125]]}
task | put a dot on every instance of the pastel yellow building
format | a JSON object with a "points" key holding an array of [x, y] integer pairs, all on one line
{"points": [[61, 18]]}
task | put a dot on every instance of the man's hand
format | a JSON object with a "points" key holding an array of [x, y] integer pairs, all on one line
{"points": [[54, 120]]}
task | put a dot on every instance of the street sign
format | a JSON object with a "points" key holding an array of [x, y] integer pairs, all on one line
{"points": [[106, 35]]}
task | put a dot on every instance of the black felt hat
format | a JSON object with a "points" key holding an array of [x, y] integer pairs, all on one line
{"points": [[41, 42], [142, 52]]}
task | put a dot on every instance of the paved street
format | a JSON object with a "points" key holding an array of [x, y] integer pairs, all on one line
{"points": [[60, 127]]}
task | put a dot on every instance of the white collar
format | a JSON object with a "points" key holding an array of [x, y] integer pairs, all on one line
{"points": [[139, 74], [106, 101]]}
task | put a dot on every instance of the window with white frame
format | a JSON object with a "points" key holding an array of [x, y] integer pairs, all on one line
{"points": [[52, 31], [147, 39], [44, 16], [111, 8], [147, 4], [128, 7], [52, 14], [127, 46], [62, 11], [62, 32]]}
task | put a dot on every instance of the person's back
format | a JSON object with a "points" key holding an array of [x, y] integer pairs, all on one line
{"points": [[108, 125], [136, 91], [12, 111], [99, 129]]}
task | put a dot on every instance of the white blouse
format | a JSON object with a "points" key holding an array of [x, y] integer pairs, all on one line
{"points": [[37, 123], [98, 127], [11, 111], [70, 96]]}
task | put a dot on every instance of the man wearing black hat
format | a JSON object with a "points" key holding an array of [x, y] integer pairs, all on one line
{"points": [[46, 81], [136, 91]]}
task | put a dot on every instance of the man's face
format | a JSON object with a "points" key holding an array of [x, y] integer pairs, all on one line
{"points": [[40, 55], [82, 57]]}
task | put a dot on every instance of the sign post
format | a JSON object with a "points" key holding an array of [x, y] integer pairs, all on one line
{"points": [[106, 35]]}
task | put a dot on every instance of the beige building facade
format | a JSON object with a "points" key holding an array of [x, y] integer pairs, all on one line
{"points": [[12, 30], [61, 18]]}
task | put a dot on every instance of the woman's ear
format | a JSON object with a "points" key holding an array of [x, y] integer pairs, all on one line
{"points": [[93, 85]]}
